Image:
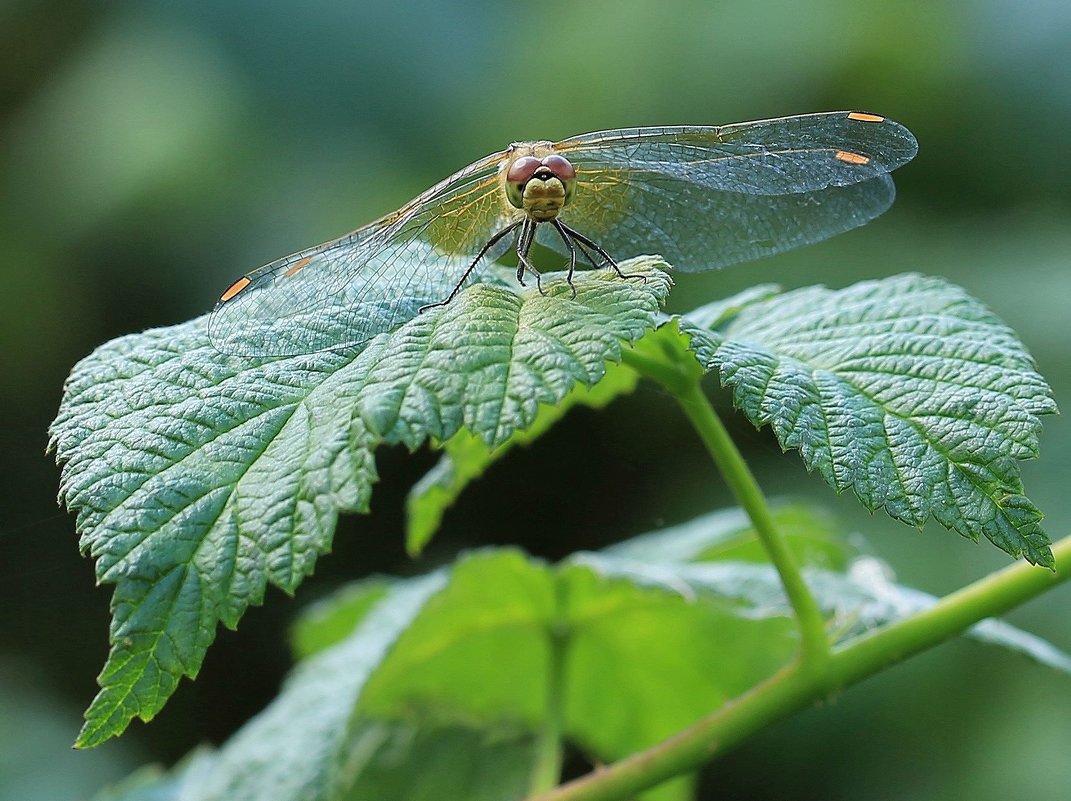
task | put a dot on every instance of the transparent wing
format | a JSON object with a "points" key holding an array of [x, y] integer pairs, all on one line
{"points": [[343, 293], [705, 197]]}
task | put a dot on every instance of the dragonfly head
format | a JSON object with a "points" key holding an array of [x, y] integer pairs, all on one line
{"points": [[540, 186]]}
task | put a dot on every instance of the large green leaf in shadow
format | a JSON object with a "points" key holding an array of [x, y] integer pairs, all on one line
{"points": [[308, 744], [651, 635]]}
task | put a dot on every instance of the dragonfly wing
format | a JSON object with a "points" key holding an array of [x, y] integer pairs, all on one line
{"points": [[787, 155], [708, 197], [343, 293], [733, 227]]}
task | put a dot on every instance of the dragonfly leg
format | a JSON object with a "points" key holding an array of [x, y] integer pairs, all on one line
{"points": [[583, 240], [572, 255], [472, 266], [524, 245], [587, 254], [517, 243]]}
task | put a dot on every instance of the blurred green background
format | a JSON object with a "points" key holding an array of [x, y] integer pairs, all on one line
{"points": [[150, 152]]}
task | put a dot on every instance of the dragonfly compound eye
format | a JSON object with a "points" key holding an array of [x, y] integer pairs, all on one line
{"points": [[519, 173], [564, 171]]}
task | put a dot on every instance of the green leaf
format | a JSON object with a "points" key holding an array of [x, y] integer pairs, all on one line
{"points": [[717, 313], [199, 478], [478, 643], [385, 761], [674, 658], [671, 620], [301, 746], [478, 654], [488, 362], [813, 536], [311, 742], [329, 622], [906, 391], [855, 601], [882, 601], [443, 682], [449, 763], [466, 457]]}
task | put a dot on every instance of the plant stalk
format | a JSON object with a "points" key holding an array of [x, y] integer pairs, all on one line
{"points": [[814, 645], [547, 768], [794, 687]]}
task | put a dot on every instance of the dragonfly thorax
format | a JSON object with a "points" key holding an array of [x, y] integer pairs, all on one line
{"points": [[539, 183]]}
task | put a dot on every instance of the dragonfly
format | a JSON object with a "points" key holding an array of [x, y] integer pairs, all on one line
{"points": [[702, 197]]}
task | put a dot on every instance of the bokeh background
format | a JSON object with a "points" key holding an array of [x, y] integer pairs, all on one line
{"points": [[152, 151]]}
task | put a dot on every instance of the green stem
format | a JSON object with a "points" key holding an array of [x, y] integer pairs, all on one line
{"points": [[988, 597], [794, 687], [547, 770], [814, 645], [658, 370]]}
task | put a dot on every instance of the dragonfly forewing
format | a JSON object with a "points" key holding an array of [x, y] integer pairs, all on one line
{"points": [[343, 293], [707, 197]]}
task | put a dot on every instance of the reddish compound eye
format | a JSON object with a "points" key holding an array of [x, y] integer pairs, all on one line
{"points": [[522, 169], [560, 166], [519, 173]]}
